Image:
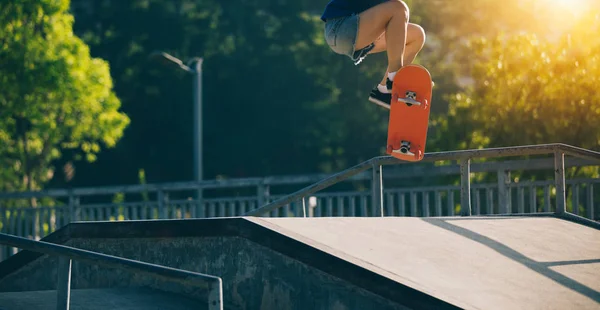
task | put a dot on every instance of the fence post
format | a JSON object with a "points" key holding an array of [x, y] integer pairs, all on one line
{"points": [[559, 181], [262, 194], [199, 202], [590, 201], [377, 191], [71, 209], [162, 210], [63, 287], [4, 250], [503, 191], [465, 187]]}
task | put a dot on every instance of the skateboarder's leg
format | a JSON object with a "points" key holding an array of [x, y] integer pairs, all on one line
{"points": [[391, 20], [415, 40]]}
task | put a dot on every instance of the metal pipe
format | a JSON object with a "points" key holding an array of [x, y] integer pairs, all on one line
{"points": [[377, 191], [333, 179], [465, 187], [198, 150], [208, 282], [215, 296], [503, 192], [559, 180], [590, 158], [63, 287], [303, 206], [453, 155], [578, 152]]}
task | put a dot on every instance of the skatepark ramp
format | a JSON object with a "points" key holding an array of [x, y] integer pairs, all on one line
{"points": [[538, 262], [546, 260]]}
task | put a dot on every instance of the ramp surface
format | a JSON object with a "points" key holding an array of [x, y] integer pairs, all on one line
{"points": [[475, 263]]}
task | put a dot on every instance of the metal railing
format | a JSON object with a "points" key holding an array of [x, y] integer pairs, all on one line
{"points": [[520, 198], [66, 254], [463, 157]]}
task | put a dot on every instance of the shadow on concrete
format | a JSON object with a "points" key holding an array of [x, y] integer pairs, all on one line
{"points": [[571, 262], [542, 268]]}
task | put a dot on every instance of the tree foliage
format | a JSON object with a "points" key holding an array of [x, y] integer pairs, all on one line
{"points": [[272, 88], [528, 90], [278, 101], [53, 95]]}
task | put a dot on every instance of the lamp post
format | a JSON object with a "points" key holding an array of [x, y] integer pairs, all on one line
{"points": [[196, 70]]}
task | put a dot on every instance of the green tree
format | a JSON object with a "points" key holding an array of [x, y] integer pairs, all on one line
{"points": [[304, 109], [53, 95], [528, 90], [271, 88]]}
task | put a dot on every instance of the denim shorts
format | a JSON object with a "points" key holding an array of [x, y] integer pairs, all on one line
{"points": [[341, 34]]}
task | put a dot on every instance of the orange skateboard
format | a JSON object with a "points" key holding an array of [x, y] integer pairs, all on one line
{"points": [[409, 113]]}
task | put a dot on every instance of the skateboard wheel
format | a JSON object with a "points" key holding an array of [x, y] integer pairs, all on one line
{"points": [[389, 149], [405, 147]]}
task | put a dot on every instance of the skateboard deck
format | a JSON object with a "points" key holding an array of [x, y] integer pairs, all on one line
{"points": [[409, 113]]}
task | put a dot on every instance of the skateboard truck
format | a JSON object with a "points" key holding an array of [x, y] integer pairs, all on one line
{"points": [[410, 99], [404, 149]]}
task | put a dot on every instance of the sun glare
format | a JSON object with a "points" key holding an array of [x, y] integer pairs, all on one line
{"points": [[560, 16], [574, 7]]}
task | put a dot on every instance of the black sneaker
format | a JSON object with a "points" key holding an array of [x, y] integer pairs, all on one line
{"points": [[360, 55], [380, 98], [389, 84]]}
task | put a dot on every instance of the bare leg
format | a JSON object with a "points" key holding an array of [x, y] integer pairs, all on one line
{"points": [[415, 39], [391, 20]]}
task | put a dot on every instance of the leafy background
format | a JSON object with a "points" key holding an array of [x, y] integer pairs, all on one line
{"points": [[82, 104]]}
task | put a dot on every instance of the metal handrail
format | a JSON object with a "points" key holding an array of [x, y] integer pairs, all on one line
{"points": [[212, 283], [264, 181], [464, 157]]}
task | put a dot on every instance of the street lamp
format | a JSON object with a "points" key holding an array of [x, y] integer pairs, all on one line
{"points": [[197, 72]]}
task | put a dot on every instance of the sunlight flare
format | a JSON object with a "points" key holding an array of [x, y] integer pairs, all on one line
{"points": [[574, 7]]}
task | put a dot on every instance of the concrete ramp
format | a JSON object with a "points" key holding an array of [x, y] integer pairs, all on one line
{"points": [[474, 263], [539, 262]]}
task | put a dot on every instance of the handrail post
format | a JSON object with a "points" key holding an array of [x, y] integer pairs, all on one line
{"points": [[63, 287], [162, 210], [559, 181], [215, 296], [465, 187], [377, 191], [503, 191], [590, 201], [262, 193], [71, 210], [303, 206]]}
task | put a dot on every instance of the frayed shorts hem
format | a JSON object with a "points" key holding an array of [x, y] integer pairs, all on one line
{"points": [[341, 34]]}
